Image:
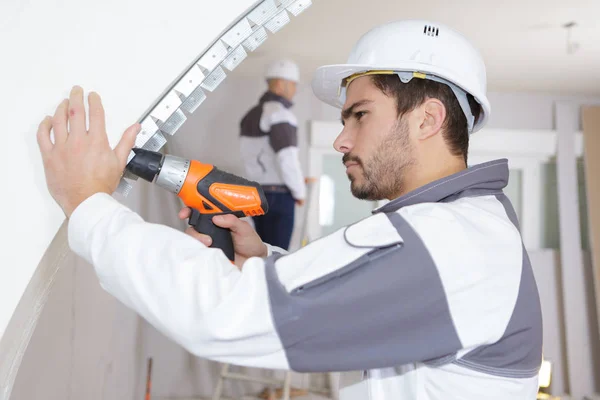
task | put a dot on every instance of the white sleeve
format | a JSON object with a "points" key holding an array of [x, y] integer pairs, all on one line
{"points": [[352, 300], [189, 292], [292, 172]]}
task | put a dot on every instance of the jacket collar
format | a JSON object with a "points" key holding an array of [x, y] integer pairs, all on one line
{"points": [[270, 96], [482, 179]]}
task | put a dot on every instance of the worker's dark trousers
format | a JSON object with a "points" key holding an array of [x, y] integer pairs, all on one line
{"points": [[276, 226]]}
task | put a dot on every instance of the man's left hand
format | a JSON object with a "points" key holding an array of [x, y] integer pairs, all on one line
{"points": [[81, 162]]}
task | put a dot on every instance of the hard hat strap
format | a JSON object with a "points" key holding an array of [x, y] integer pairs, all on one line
{"points": [[346, 82], [460, 94]]}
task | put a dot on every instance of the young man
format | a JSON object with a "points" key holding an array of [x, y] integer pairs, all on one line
{"points": [[269, 148], [432, 297]]}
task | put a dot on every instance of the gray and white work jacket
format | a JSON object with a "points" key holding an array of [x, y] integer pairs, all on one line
{"points": [[431, 298], [269, 145]]}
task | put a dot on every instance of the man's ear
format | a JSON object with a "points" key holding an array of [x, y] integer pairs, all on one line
{"points": [[433, 115]]}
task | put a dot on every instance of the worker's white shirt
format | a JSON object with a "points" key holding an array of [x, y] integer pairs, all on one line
{"points": [[433, 296], [269, 145]]}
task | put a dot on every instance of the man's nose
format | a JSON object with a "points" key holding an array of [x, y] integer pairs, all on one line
{"points": [[343, 143]]}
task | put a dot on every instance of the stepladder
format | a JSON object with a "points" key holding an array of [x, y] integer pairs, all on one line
{"points": [[277, 389]]}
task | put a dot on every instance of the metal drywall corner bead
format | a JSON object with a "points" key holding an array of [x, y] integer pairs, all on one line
{"points": [[149, 128], [190, 81], [167, 106], [285, 3], [263, 12], [256, 39], [124, 187], [235, 58], [278, 22], [130, 176], [214, 79], [236, 35], [193, 101], [175, 121], [298, 6], [214, 56], [156, 142]]}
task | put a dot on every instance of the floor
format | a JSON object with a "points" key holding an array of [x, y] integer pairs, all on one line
{"points": [[309, 397]]}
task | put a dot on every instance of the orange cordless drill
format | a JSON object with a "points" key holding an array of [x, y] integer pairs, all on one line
{"points": [[205, 189]]}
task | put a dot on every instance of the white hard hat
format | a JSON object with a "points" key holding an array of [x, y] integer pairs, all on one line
{"points": [[411, 49], [283, 69]]}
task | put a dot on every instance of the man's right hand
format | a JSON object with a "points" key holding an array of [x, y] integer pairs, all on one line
{"points": [[246, 241]]}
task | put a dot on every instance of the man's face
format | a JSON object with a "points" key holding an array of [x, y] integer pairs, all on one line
{"points": [[290, 89], [376, 144]]}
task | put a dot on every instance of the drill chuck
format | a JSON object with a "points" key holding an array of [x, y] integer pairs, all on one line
{"points": [[145, 164], [173, 172], [168, 172]]}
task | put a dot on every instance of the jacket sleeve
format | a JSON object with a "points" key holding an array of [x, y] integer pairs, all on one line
{"points": [[368, 296], [283, 138]]}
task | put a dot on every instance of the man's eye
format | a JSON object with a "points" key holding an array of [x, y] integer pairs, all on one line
{"points": [[359, 114]]}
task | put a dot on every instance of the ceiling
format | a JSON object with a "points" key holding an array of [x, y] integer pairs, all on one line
{"points": [[523, 42]]}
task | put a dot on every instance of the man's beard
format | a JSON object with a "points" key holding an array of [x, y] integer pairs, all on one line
{"points": [[383, 174]]}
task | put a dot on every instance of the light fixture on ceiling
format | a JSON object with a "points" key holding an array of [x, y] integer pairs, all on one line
{"points": [[572, 46]]}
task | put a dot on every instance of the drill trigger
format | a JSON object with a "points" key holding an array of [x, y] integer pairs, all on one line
{"points": [[194, 217]]}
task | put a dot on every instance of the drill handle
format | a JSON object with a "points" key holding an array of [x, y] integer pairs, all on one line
{"points": [[221, 237]]}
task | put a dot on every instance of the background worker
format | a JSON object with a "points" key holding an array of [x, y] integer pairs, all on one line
{"points": [[269, 148]]}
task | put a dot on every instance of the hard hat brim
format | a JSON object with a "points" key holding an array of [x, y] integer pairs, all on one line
{"points": [[327, 80]]}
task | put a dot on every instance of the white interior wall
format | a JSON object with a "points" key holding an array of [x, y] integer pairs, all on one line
{"points": [[85, 345], [86, 309]]}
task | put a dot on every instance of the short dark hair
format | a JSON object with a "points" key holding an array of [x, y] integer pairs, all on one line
{"points": [[410, 95]]}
